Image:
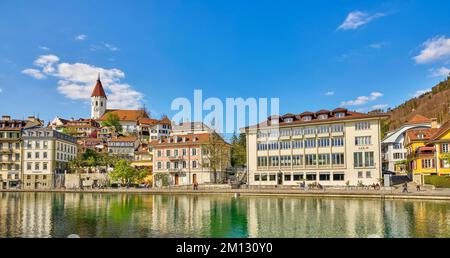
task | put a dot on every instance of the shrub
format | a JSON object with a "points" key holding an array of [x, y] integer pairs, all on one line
{"points": [[438, 181]]}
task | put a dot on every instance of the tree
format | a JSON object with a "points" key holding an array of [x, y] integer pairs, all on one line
{"points": [[113, 120], [238, 150], [125, 173], [217, 152], [69, 131]]}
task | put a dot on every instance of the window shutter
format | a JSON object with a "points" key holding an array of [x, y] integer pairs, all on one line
{"points": [[423, 163], [432, 163]]}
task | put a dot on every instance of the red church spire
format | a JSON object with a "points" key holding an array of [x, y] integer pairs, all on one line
{"points": [[98, 89]]}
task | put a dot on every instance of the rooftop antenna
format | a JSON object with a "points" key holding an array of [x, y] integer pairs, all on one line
{"points": [[98, 76]]}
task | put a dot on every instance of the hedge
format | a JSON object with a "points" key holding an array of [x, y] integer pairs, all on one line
{"points": [[438, 181]]}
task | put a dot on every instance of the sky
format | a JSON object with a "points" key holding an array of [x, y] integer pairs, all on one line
{"points": [[312, 55]]}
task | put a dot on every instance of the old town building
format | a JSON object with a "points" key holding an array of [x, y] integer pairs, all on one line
{"points": [[338, 147], [46, 153]]}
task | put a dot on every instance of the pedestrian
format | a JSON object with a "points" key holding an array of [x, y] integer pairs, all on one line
{"points": [[405, 187], [418, 188]]}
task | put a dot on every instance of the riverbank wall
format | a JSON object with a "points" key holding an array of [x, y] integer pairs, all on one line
{"points": [[373, 194]]}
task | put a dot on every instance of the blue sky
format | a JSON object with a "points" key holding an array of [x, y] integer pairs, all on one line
{"points": [[310, 54]]}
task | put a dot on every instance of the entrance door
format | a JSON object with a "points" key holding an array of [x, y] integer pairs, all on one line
{"points": [[194, 178], [177, 179]]}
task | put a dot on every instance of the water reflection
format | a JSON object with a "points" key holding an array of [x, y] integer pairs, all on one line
{"points": [[144, 215]]}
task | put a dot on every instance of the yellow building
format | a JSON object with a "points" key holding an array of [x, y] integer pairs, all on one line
{"points": [[426, 151], [143, 159]]}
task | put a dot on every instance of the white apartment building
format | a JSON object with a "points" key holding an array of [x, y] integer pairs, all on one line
{"points": [[46, 152], [333, 148], [393, 151]]}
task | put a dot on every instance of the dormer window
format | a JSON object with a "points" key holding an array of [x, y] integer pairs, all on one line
{"points": [[323, 117], [288, 120], [339, 115], [307, 118], [420, 136]]}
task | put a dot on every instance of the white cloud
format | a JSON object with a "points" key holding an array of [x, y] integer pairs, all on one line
{"points": [[111, 47], [441, 72], [357, 19], [434, 49], [329, 93], [44, 48], [34, 73], [81, 37], [76, 81], [420, 92], [380, 106], [378, 45], [361, 100]]}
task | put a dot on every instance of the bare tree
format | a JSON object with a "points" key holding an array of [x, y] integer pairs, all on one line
{"points": [[216, 154]]}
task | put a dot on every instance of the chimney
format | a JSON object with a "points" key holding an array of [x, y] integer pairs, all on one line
{"points": [[434, 123], [6, 118]]}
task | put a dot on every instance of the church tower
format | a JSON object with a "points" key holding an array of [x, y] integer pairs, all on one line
{"points": [[98, 100]]}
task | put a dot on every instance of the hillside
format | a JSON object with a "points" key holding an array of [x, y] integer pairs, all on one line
{"points": [[434, 104]]}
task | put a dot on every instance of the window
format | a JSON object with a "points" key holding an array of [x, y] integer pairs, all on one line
{"points": [[36, 155], [285, 161], [297, 131], [167, 165], [159, 165], [184, 164], [274, 161], [44, 154], [257, 177], [324, 176], [358, 159], [340, 115], [311, 159], [273, 145], [44, 166], [369, 160], [28, 166], [285, 132], [323, 129], [337, 142], [323, 142], [360, 174], [362, 126], [324, 159], [310, 130], [398, 146], [167, 153], [427, 163], [368, 174], [298, 176], [194, 152], [262, 146], [262, 161], [184, 152], [311, 177], [307, 118], [175, 153], [322, 117], [310, 143], [274, 133], [338, 177], [287, 177], [29, 155], [194, 164], [158, 153], [298, 144], [363, 140], [36, 166], [175, 165], [337, 128], [337, 158], [285, 145], [263, 177], [272, 177], [398, 155], [444, 148], [297, 160]]}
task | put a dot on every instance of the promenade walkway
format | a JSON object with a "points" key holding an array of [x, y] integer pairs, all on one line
{"points": [[393, 193]]}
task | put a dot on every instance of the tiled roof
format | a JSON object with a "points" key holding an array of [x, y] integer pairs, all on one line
{"points": [[152, 121], [98, 90], [349, 115], [427, 133], [418, 119], [123, 139], [125, 115], [444, 128]]}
